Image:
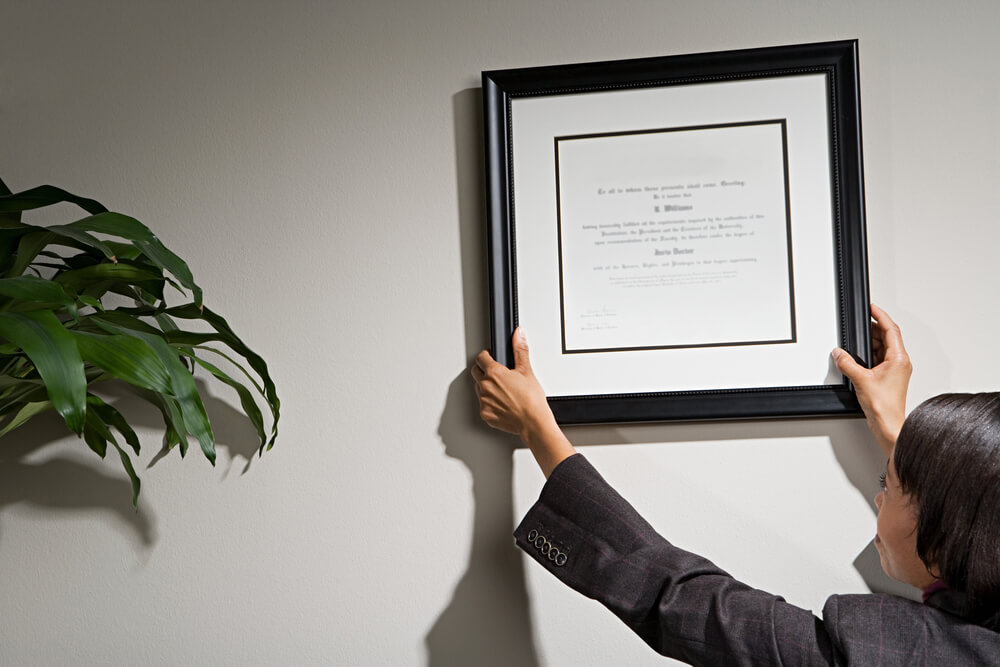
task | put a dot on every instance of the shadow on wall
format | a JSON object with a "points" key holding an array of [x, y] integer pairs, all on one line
{"points": [[62, 484], [488, 620]]}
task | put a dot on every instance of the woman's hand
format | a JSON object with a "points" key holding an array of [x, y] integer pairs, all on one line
{"points": [[881, 389], [513, 401]]}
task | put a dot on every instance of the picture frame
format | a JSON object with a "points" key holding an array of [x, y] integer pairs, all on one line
{"points": [[681, 237]]}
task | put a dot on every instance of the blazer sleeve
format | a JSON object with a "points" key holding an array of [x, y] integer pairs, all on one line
{"points": [[679, 603]]}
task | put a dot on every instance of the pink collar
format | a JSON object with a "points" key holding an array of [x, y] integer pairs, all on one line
{"points": [[936, 585]]}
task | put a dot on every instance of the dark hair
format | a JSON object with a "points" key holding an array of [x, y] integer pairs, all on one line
{"points": [[947, 457]]}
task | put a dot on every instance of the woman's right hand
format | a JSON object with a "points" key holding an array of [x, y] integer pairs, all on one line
{"points": [[881, 389]]}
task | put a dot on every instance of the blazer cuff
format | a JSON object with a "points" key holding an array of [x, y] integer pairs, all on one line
{"points": [[578, 521]]}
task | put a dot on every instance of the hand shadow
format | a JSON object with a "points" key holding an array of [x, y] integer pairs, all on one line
{"points": [[488, 621]]}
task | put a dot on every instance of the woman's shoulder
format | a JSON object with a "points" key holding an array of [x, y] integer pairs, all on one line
{"points": [[887, 630]]}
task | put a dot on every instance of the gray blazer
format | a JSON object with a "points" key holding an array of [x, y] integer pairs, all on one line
{"points": [[685, 607]]}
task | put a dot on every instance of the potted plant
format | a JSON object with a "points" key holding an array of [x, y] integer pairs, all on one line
{"points": [[85, 303]]}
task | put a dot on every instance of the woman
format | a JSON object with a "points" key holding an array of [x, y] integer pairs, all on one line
{"points": [[938, 529]]}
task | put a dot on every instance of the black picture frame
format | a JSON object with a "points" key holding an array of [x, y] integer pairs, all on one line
{"points": [[838, 63]]}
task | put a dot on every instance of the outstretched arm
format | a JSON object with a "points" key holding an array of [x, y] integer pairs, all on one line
{"points": [[513, 401], [881, 389]]}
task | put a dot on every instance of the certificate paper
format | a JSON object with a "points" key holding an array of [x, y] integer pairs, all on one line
{"points": [[675, 237]]}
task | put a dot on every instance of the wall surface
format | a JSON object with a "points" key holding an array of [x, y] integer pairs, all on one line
{"points": [[319, 166]]}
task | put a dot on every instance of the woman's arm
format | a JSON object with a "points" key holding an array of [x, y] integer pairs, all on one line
{"points": [[881, 389], [513, 401]]}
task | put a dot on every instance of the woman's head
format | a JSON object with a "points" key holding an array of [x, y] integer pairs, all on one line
{"points": [[947, 460]]}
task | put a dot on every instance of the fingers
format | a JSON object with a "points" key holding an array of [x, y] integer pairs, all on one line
{"points": [[851, 369], [887, 332], [484, 361], [520, 343]]}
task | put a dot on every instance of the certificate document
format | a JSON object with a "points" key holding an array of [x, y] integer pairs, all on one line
{"points": [[675, 238]]}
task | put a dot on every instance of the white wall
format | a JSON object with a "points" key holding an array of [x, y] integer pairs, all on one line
{"points": [[318, 165]]}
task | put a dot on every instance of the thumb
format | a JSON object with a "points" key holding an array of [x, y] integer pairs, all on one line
{"points": [[845, 363], [520, 341]]}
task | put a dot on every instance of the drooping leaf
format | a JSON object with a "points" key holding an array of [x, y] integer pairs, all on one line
{"points": [[77, 279], [229, 338], [142, 347], [10, 236], [112, 418], [30, 293], [246, 398], [45, 195], [121, 317], [90, 301], [126, 357], [24, 414], [185, 391], [82, 238], [27, 391], [54, 353], [127, 464], [96, 434], [8, 216], [123, 226], [30, 243], [184, 340]]}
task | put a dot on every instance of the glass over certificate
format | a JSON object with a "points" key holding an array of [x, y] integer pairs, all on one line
{"points": [[675, 237]]}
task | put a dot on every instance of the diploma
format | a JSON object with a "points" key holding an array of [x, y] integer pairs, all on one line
{"points": [[675, 237]]}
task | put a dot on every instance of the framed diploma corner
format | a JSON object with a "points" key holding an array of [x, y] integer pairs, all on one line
{"points": [[681, 237]]}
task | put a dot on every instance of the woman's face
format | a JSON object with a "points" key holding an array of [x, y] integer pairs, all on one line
{"points": [[896, 536]]}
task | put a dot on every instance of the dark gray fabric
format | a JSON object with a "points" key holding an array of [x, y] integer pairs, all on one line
{"points": [[685, 607]]}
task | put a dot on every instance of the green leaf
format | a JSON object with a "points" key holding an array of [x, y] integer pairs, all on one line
{"points": [[81, 237], [125, 357], [33, 288], [174, 419], [193, 414], [12, 216], [100, 416], [246, 398], [78, 279], [8, 381], [123, 226], [96, 434], [229, 337], [183, 340], [24, 414], [54, 352], [121, 317], [127, 464], [45, 195], [28, 247], [38, 292], [28, 390], [110, 416], [123, 250], [90, 301]]}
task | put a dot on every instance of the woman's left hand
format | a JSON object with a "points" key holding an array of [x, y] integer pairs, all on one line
{"points": [[510, 399]]}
